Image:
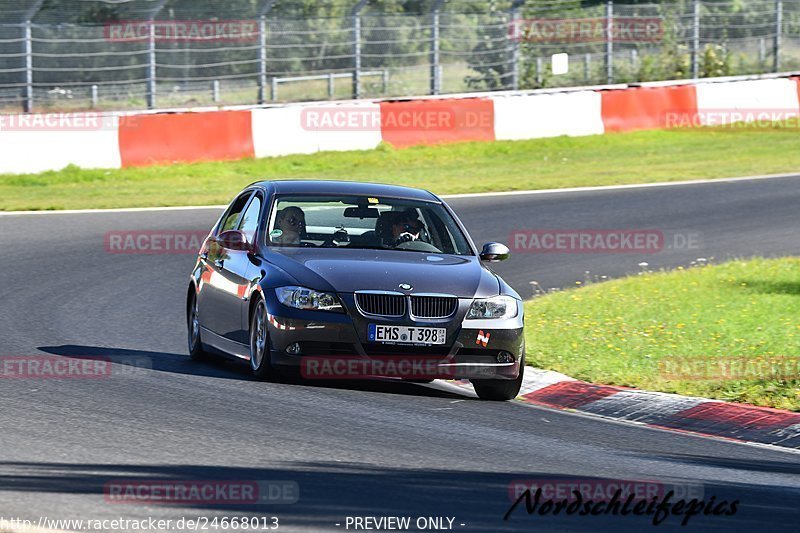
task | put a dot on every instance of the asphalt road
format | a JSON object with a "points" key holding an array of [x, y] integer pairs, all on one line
{"points": [[353, 449]]}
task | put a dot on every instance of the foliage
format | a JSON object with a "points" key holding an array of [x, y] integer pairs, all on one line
{"points": [[316, 36]]}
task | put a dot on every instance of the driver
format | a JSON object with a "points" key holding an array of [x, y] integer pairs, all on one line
{"points": [[406, 227], [291, 221]]}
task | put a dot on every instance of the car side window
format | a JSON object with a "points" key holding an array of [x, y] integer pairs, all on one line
{"points": [[249, 221], [440, 236], [231, 218]]}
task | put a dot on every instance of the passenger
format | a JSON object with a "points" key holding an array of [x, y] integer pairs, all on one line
{"points": [[291, 221]]}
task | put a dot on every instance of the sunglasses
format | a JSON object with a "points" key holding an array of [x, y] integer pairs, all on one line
{"points": [[410, 227]]}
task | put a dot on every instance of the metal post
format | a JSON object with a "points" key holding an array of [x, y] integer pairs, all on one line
{"points": [[330, 85], [262, 59], [762, 51], [696, 39], [215, 91], [357, 48], [95, 96], [262, 50], [356, 57], [385, 81], [28, 104], [436, 80], [516, 39], [609, 42], [634, 58], [151, 66], [539, 72], [776, 65], [151, 56], [587, 67], [274, 89]]}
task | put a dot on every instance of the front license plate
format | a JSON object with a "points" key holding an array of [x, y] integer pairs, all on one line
{"points": [[406, 334]]}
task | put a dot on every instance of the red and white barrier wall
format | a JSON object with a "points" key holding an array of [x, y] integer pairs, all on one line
{"points": [[547, 115], [33, 143], [38, 146], [294, 130]]}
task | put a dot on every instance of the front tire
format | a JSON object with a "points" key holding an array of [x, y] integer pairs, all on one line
{"points": [[196, 351], [499, 391], [260, 362]]}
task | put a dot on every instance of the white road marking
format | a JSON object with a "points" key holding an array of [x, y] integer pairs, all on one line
{"points": [[115, 210], [626, 186], [567, 190]]}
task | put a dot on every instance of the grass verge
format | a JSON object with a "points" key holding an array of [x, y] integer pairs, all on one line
{"points": [[638, 157], [728, 331]]}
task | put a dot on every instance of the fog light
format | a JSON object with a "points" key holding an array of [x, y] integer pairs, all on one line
{"points": [[293, 348], [505, 357]]}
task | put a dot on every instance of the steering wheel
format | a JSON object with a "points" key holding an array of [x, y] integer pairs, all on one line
{"points": [[403, 237], [417, 246]]}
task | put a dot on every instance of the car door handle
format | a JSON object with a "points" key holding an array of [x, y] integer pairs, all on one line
{"points": [[219, 263]]}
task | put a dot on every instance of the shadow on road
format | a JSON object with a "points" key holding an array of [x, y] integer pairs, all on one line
{"points": [[329, 492], [224, 368], [779, 467]]}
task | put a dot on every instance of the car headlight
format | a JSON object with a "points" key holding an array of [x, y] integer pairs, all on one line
{"points": [[495, 307], [309, 299]]}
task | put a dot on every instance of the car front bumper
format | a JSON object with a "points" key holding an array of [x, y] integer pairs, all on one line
{"points": [[326, 345]]}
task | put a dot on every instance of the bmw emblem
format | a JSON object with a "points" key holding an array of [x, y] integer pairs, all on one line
{"points": [[406, 286]]}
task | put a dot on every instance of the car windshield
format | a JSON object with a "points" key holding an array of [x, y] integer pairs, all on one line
{"points": [[365, 222]]}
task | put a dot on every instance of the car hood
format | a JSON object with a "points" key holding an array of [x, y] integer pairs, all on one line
{"points": [[348, 270]]}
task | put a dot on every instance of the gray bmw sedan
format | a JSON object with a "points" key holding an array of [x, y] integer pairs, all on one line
{"points": [[344, 280]]}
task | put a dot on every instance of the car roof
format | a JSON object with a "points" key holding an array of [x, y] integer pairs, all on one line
{"points": [[336, 187]]}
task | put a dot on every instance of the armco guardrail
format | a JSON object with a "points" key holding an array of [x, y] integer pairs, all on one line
{"points": [[33, 143]]}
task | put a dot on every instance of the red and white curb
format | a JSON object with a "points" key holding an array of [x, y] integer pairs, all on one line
{"points": [[702, 416]]}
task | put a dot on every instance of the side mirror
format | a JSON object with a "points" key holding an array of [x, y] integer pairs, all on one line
{"points": [[494, 252], [233, 240]]}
